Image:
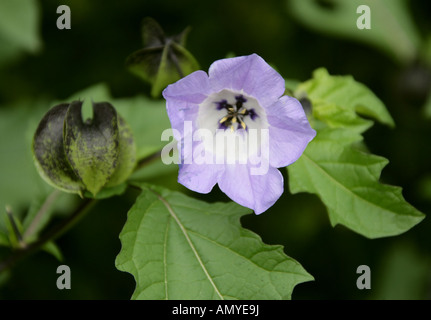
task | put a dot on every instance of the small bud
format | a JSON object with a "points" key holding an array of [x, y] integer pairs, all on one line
{"points": [[163, 60], [77, 156]]}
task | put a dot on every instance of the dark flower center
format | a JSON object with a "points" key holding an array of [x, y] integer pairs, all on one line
{"points": [[235, 113]]}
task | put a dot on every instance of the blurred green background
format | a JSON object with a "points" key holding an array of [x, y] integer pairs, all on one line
{"points": [[40, 64]]}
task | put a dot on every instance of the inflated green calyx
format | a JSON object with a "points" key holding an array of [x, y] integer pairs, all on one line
{"points": [[78, 156]]}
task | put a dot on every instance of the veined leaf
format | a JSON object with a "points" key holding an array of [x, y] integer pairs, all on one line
{"points": [[339, 98], [177, 247], [346, 179], [347, 182]]}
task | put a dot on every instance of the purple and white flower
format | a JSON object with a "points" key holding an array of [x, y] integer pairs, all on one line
{"points": [[240, 100]]}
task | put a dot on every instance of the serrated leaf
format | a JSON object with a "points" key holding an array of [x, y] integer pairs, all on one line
{"points": [[347, 182], [338, 99], [388, 18], [182, 248]]}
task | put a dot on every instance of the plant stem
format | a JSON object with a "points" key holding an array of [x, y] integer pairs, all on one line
{"points": [[26, 249], [52, 234], [148, 159], [35, 222]]}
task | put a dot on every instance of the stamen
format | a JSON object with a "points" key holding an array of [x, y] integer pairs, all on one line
{"points": [[222, 126], [222, 104], [224, 119], [240, 100], [235, 113], [253, 114]]}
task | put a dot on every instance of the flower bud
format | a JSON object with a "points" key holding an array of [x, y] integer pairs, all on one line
{"points": [[77, 156], [163, 60]]}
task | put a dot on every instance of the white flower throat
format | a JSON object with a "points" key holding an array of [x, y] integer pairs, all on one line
{"points": [[234, 125], [231, 110]]}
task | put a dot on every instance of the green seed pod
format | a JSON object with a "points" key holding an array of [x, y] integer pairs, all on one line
{"points": [[77, 156]]}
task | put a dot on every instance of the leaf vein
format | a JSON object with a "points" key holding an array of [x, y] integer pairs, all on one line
{"points": [[184, 231]]}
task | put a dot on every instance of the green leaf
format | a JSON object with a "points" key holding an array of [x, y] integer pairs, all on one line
{"points": [[51, 248], [148, 119], [178, 247], [347, 182], [400, 257], [388, 18], [19, 23], [345, 178], [337, 100]]}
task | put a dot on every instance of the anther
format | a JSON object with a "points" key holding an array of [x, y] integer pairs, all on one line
{"points": [[224, 119]]}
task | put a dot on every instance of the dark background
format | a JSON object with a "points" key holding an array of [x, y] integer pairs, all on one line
{"points": [[104, 33]]}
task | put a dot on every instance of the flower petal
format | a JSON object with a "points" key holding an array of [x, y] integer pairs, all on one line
{"points": [[289, 131], [199, 177], [258, 192], [249, 73], [183, 98]]}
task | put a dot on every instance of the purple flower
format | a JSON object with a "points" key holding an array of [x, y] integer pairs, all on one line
{"points": [[239, 119]]}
